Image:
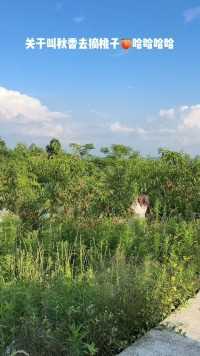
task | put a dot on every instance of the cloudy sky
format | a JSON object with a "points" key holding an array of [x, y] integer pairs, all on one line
{"points": [[143, 98]]}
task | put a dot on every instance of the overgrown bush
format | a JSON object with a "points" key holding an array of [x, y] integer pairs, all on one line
{"points": [[79, 275], [99, 290]]}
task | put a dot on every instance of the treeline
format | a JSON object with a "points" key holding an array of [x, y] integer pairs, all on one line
{"points": [[37, 183]]}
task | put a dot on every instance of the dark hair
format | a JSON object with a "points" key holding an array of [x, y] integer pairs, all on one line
{"points": [[143, 199]]}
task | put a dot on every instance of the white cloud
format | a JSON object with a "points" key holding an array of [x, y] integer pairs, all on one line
{"points": [[184, 108], [167, 114], [78, 19], [25, 118], [192, 14], [185, 128], [184, 118], [48, 130], [29, 116], [119, 128], [174, 112], [192, 118], [181, 131]]}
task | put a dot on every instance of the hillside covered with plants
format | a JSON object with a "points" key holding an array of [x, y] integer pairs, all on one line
{"points": [[79, 275]]}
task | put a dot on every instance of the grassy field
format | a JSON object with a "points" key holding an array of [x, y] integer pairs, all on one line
{"points": [[75, 289], [78, 274]]}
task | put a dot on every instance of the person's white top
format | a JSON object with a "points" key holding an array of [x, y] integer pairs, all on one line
{"points": [[139, 210]]}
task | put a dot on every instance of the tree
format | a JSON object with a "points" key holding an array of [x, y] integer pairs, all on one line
{"points": [[3, 147], [20, 151], [105, 150], [35, 150], [54, 148], [82, 150], [117, 151]]}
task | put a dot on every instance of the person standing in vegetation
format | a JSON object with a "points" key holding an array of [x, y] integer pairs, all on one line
{"points": [[140, 206]]}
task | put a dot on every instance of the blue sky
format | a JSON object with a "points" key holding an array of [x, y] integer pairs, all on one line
{"points": [[145, 99]]}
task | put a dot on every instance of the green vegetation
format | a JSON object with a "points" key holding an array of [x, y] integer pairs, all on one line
{"points": [[78, 274]]}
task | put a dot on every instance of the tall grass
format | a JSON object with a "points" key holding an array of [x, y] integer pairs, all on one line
{"points": [[91, 289]]}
